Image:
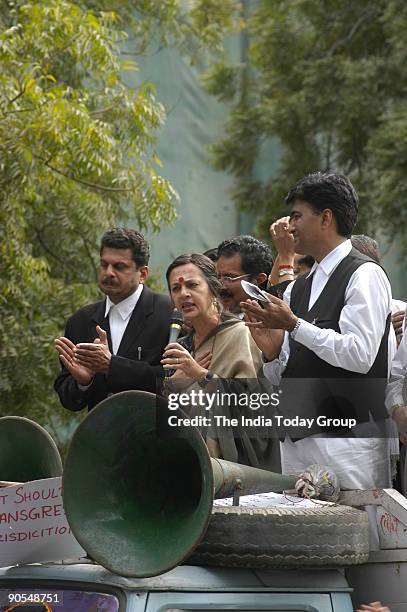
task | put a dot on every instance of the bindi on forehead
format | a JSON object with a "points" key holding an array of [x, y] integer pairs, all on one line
{"points": [[181, 280], [184, 281]]}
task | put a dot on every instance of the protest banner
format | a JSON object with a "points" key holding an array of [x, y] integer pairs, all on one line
{"points": [[33, 525]]}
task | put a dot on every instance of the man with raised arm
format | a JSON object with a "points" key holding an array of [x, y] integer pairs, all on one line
{"points": [[327, 340]]}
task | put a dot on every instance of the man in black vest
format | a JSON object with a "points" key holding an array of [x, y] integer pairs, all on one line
{"points": [[115, 344], [327, 340]]}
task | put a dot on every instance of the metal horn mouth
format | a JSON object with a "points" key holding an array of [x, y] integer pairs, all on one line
{"points": [[138, 493], [27, 451]]}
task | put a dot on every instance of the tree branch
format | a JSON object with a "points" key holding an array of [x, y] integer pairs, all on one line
{"points": [[101, 111], [89, 254], [87, 183], [140, 52], [366, 16], [64, 263], [21, 93]]}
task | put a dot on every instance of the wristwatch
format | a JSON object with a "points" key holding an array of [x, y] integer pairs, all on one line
{"points": [[293, 332], [208, 377], [285, 272]]}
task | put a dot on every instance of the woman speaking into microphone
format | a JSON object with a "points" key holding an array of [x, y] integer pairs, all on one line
{"points": [[218, 346]]}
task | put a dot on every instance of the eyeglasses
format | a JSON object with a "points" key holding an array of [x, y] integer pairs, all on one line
{"points": [[231, 279]]}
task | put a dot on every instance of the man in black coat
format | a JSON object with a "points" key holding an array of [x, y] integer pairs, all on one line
{"points": [[115, 344]]}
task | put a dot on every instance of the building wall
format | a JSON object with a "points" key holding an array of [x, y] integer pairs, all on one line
{"points": [[195, 120], [206, 213]]}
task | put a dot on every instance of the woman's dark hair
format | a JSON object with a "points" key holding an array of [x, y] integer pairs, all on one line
{"points": [[334, 191], [204, 264]]}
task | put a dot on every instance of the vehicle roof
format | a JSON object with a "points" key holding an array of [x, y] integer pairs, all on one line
{"points": [[186, 578]]}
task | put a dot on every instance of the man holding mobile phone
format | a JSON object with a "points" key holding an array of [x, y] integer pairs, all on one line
{"points": [[329, 337]]}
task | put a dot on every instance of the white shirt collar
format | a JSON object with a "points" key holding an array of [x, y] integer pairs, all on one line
{"points": [[126, 306], [334, 257]]}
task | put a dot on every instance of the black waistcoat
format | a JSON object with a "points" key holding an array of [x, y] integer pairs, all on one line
{"points": [[311, 386]]}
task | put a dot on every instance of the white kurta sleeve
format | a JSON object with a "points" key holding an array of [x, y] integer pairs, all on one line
{"points": [[362, 323]]}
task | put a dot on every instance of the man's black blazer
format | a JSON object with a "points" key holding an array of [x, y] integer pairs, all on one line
{"points": [[137, 363]]}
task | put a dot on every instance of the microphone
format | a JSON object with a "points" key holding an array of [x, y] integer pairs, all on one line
{"points": [[177, 320]]}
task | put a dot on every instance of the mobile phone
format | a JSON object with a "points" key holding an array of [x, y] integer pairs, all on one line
{"points": [[254, 291]]}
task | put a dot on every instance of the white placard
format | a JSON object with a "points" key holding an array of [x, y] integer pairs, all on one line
{"points": [[33, 525]]}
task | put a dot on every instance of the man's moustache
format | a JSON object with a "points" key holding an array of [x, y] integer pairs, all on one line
{"points": [[108, 284], [225, 294]]}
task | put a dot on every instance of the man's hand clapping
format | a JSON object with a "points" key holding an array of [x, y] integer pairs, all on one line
{"points": [[94, 356], [66, 350]]}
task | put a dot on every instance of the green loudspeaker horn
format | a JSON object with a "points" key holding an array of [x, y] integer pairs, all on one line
{"points": [[27, 451], [138, 493]]}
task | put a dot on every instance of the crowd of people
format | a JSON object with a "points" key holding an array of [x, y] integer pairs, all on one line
{"points": [[325, 330], [329, 334]]}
